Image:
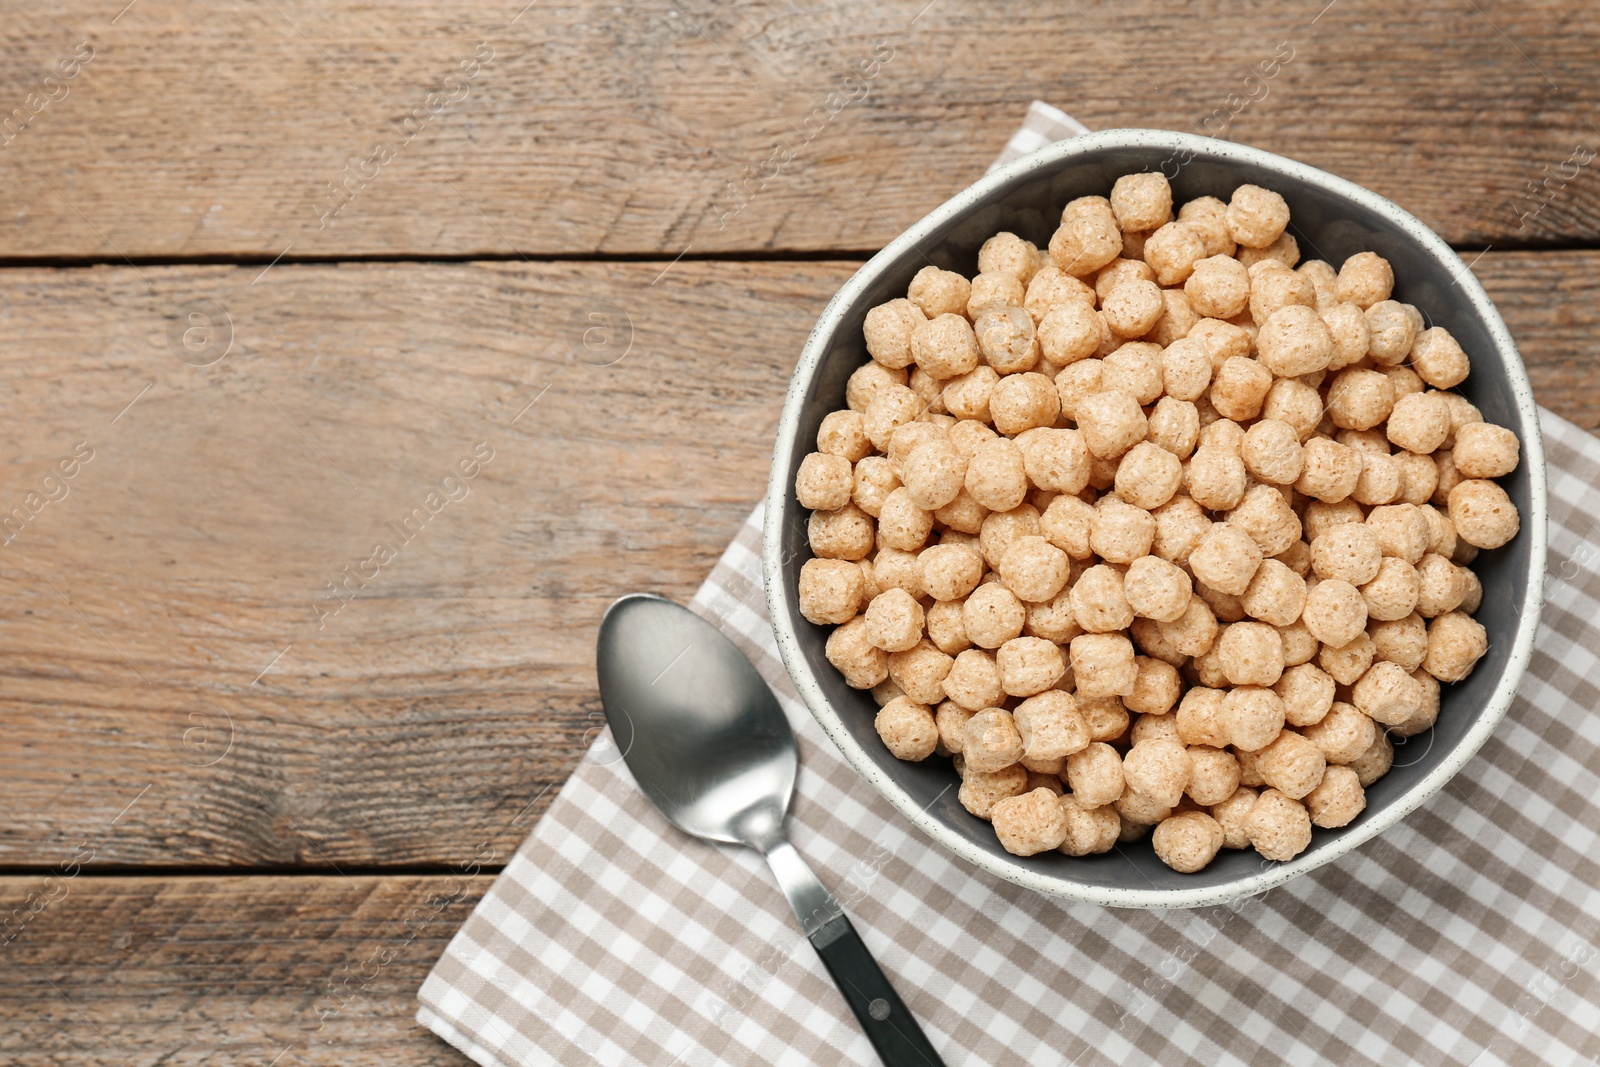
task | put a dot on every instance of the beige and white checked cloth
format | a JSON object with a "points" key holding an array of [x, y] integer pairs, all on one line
{"points": [[1465, 935]]}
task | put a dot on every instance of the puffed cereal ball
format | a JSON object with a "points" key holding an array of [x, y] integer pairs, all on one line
{"points": [[1139, 813], [1441, 532], [1069, 333], [1342, 734], [1180, 525], [1215, 478], [1090, 829], [1031, 823], [1264, 513], [1056, 460], [1195, 630], [1029, 665], [1375, 762], [982, 790], [1157, 769], [844, 433], [1394, 327], [1455, 644], [920, 672], [1437, 357], [1001, 528], [974, 680], [1440, 586], [1148, 475], [996, 476], [1279, 826], [1239, 388], [1256, 217], [1276, 595], [903, 525], [843, 534], [1085, 242], [1141, 201], [992, 741], [946, 628], [1132, 307], [1218, 287], [1474, 596], [1335, 612], [890, 409], [1249, 773], [1379, 482], [1051, 726], [1174, 425], [933, 474], [1052, 619], [1077, 382], [1387, 694], [907, 729], [1034, 569], [1107, 717], [1119, 531], [1425, 715], [1213, 775], [1156, 589], [1404, 641], [1188, 841], [951, 719], [1324, 281], [1349, 552], [992, 615], [1272, 452], [1307, 693], [1252, 717], [831, 591], [1200, 718], [867, 381], [1483, 514], [1251, 653], [1094, 774], [966, 396], [1337, 800], [888, 328], [1022, 401], [1173, 250], [1232, 815], [1208, 217], [1053, 288], [1347, 325], [1392, 593], [1360, 399], [1099, 602], [894, 621], [1067, 523], [1226, 559], [1103, 665], [824, 482], [945, 346], [939, 292], [1485, 451], [1402, 531], [1294, 341], [950, 572], [1365, 279], [1135, 367], [1329, 471], [1419, 422], [1006, 252], [994, 290], [1291, 765], [862, 663]]}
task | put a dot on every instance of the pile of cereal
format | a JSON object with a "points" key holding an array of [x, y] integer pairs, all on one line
{"points": [[1155, 529]]}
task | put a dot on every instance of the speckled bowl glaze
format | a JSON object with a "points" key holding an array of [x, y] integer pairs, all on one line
{"points": [[1332, 219]]}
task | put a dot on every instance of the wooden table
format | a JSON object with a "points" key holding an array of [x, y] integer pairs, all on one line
{"points": [[272, 271]]}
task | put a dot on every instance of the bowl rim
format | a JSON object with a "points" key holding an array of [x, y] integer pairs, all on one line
{"points": [[1015, 870]]}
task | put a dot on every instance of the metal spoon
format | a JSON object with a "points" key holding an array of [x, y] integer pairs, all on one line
{"points": [[711, 748]]}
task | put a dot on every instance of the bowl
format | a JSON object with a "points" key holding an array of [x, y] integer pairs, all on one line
{"points": [[1332, 219]]}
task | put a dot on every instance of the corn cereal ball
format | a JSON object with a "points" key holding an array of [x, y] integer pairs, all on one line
{"points": [[843, 534], [1120, 532], [1404, 641], [1200, 718], [974, 680], [1335, 612], [1330, 470], [844, 433], [1343, 734], [1094, 774], [1173, 250], [1188, 841], [888, 328], [945, 346], [1029, 665], [1483, 514], [1053, 288], [933, 474], [1265, 514], [824, 482], [1379, 481], [1360, 399], [1056, 460], [1485, 451], [996, 476], [1440, 586], [966, 396], [1419, 422], [1031, 823], [1291, 764], [1272, 452], [982, 790], [1090, 829], [894, 620], [945, 626], [1053, 619], [1180, 525], [920, 672], [1365, 279], [1157, 589], [1347, 325], [1134, 367], [1009, 254], [901, 524], [861, 662], [994, 290], [1232, 814], [867, 381], [1394, 327], [1213, 775], [1139, 813], [1022, 401], [1195, 630], [1034, 569], [1070, 332], [1437, 357], [1051, 726], [1157, 769], [1307, 693], [1349, 552], [1276, 595], [1392, 593], [1256, 217], [831, 591], [1001, 528], [891, 408], [1067, 523], [1132, 307], [875, 479], [1141, 201], [1387, 694], [1085, 242], [1215, 478], [1294, 340], [938, 292], [907, 729], [1006, 337], [950, 572], [1218, 287], [992, 615], [1279, 826], [1099, 602], [951, 719], [1252, 717], [1102, 664], [1455, 644], [1402, 531], [1148, 476], [1338, 799], [1251, 653], [1226, 559], [992, 741], [1208, 218], [1239, 388]]}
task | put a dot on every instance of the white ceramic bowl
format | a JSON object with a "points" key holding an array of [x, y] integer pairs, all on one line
{"points": [[1332, 219]]}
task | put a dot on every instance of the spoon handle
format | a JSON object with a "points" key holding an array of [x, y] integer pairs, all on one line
{"points": [[887, 1021]]}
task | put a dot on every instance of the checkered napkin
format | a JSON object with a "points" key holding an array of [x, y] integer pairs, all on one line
{"points": [[1465, 935]]}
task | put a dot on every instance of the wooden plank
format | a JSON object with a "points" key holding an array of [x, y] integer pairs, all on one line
{"points": [[228, 972], [470, 129], [457, 687]]}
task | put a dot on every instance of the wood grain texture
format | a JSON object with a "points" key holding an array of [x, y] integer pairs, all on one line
{"points": [[592, 127], [457, 687], [229, 972]]}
